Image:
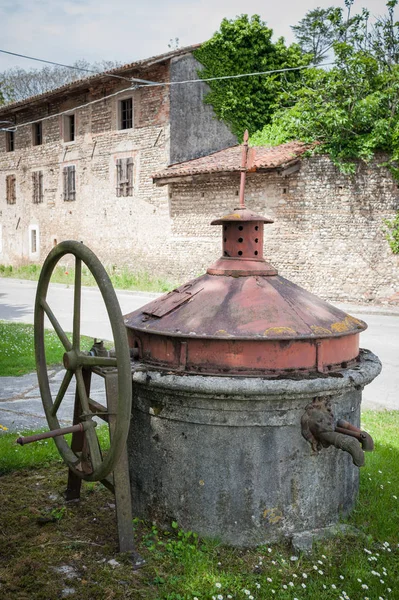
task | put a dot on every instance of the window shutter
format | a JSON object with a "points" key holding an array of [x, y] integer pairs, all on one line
{"points": [[118, 177], [34, 187], [8, 189], [40, 186], [129, 167], [72, 190], [13, 190], [65, 173]]}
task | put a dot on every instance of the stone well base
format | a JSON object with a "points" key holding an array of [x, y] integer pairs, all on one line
{"points": [[225, 456]]}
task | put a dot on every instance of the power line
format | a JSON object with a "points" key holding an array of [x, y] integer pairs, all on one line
{"points": [[66, 112], [50, 62], [169, 83], [154, 84]]}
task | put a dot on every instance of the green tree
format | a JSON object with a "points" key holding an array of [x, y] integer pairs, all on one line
{"points": [[350, 111], [244, 45], [317, 31]]}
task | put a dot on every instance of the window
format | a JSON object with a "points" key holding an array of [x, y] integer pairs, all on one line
{"points": [[10, 141], [37, 131], [124, 177], [69, 128], [69, 183], [33, 241], [11, 189], [126, 113], [37, 187]]}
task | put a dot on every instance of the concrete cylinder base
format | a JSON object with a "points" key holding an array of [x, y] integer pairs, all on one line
{"points": [[225, 456]]}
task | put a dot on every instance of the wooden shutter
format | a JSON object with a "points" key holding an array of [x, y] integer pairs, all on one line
{"points": [[69, 183], [34, 187], [11, 189], [37, 184], [65, 183], [129, 176], [119, 177], [40, 184]]}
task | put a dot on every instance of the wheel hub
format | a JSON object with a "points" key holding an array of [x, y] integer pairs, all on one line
{"points": [[71, 360]]}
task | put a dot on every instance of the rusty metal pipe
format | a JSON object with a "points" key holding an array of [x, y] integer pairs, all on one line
{"points": [[346, 425], [49, 434], [356, 434], [365, 438], [346, 443]]}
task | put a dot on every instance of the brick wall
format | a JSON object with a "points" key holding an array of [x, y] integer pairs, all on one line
{"points": [[328, 232], [118, 229]]}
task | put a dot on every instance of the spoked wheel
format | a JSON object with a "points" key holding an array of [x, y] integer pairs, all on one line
{"points": [[90, 464]]}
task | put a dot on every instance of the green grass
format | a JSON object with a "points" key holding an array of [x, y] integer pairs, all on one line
{"points": [[38, 454], [17, 351], [122, 278], [179, 565]]}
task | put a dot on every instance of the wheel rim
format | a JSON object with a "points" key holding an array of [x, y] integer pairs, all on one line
{"points": [[76, 361]]}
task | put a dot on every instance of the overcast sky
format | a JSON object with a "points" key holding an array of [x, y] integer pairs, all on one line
{"points": [[127, 30]]}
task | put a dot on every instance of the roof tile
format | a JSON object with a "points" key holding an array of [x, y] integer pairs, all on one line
{"points": [[229, 160]]}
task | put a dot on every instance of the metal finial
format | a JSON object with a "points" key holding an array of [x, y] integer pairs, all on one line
{"points": [[243, 167]]}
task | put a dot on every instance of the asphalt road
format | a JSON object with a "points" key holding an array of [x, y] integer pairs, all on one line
{"points": [[382, 336]]}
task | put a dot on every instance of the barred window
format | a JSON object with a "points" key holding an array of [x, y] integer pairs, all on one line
{"points": [[124, 177], [11, 189], [126, 113], [69, 183], [37, 187]]}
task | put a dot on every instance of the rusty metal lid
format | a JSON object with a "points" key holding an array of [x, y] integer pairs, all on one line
{"points": [[243, 308], [241, 317]]}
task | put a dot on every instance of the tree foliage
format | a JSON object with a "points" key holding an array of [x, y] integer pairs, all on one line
{"points": [[244, 45], [351, 110], [317, 31], [18, 83], [392, 233]]}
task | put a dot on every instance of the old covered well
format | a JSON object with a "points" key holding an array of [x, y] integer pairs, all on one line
{"points": [[246, 399]]}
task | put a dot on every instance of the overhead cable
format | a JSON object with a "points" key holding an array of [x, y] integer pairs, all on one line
{"points": [[153, 84]]}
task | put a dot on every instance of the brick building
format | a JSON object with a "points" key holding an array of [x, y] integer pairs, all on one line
{"points": [[138, 174], [76, 162], [328, 232]]}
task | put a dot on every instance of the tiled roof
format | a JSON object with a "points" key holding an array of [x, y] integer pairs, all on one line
{"points": [[229, 160], [78, 83]]}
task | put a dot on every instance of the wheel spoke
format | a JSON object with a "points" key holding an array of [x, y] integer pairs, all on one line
{"points": [[57, 327], [61, 392], [77, 304], [83, 397]]}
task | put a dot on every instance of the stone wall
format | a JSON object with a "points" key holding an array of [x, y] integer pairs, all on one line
{"points": [[328, 232], [134, 230], [328, 235], [118, 229]]}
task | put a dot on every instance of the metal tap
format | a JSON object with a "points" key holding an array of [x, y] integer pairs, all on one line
{"points": [[318, 428]]}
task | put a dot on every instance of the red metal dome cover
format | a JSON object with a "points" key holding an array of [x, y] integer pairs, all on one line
{"points": [[241, 317]]}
